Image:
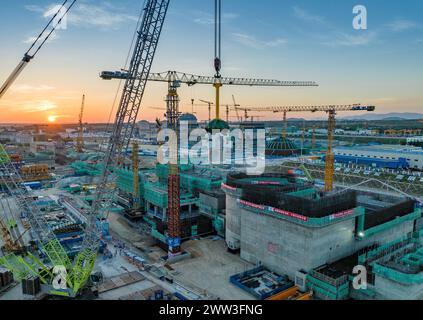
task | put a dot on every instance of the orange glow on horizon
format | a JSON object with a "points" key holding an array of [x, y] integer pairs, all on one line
{"points": [[51, 119]]}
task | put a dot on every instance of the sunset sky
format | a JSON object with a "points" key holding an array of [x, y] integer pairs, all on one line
{"points": [[284, 40]]}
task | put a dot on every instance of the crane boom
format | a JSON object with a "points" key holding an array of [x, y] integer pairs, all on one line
{"points": [[324, 108], [331, 110], [48, 242], [191, 79], [80, 138], [144, 50], [36, 46]]}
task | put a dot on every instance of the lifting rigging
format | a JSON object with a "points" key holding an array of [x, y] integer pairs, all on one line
{"points": [[37, 45], [80, 138]]}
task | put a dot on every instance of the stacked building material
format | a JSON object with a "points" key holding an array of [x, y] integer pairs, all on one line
{"points": [[31, 286], [6, 278]]}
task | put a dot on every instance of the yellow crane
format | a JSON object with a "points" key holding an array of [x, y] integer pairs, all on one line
{"points": [[136, 180], [331, 110], [209, 104], [36, 46], [80, 138]]}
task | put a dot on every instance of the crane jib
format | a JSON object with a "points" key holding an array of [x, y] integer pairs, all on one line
{"points": [[144, 51]]}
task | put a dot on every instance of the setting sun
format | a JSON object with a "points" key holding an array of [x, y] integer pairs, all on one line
{"points": [[52, 119]]}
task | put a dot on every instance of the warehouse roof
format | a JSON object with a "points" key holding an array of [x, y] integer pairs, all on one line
{"points": [[394, 149]]}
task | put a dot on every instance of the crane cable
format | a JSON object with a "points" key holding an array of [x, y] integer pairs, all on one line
{"points": [[125, 67], [27, 55], [217, 37]]}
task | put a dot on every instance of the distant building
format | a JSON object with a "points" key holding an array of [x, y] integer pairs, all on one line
{"points": [[318, 239], [415, 139], [384, 156]]}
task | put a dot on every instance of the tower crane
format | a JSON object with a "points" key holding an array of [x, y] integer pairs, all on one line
{"points": [[178, 78], [37, 45], [209, 104], [80, 138], [331, 110], [235, 105], [173, 179]]}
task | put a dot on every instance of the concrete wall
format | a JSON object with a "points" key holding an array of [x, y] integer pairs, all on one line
{"points": [[215, 202], [287, 247], [391, 290], [233, 223]]}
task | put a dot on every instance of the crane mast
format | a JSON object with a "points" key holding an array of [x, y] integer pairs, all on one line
{"points": [[331, 110], [144, 50], [80, 138], [136, 181], [218, 53]]}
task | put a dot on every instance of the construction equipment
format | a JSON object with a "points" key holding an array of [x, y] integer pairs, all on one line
{"points": [[154, 14], [173, 180], [26, 265], [80, 138], [37, 45], [331, 110], [235, 105], [9, 244], [150, 29], [217, 53], [23, 266], [209, 104], [176, 77], [136, 180], [306, 173], [284, 295]]}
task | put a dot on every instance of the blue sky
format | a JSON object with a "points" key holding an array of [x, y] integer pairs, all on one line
{"points": [[278, 39]]}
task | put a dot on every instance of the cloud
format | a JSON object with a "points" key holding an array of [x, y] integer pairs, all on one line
{"points": [[401, 25], [103, 16], [36, 106], [99, 16], [53, 36], [206, 18], [26, 88], [306, 16], [253, 42], [351, 40]]}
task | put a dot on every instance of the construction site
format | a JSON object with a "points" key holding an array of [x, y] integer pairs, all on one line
{"points": [[91, 213]]}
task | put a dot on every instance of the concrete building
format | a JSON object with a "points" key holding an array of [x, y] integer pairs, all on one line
{"points": [[415, 139], [202, 202], [296, 228]]}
